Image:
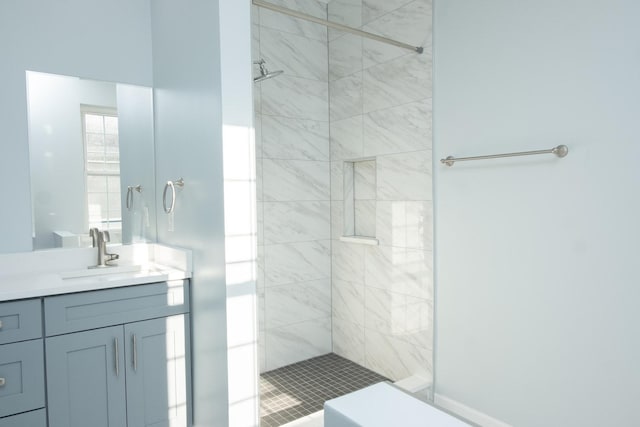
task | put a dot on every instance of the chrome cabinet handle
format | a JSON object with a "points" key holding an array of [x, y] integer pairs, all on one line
{"points": [[117, 353], [171, 185], [129, 201], [135, 353], [0, 324], [2, 382]]}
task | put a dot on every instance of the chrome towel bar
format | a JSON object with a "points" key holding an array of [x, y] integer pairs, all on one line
{"points": [[337, 26], [129, 197], [171, 185], [560, 151]]}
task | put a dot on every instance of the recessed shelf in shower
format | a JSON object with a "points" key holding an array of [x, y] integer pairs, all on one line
{"points": [[359, 201]]}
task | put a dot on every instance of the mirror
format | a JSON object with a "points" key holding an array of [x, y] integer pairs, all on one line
{"points": [[91, 159]]}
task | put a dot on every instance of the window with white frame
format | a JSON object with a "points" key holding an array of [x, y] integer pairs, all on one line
{"points": [[102, 170]]}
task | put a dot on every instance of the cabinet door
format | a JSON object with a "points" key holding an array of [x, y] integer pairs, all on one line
{"points": [[86, 379], [28, 419], [158, 372], [21, 377]]}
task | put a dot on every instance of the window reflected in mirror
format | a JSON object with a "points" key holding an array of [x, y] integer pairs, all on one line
{"points": [[88, 142], [102, 170]]}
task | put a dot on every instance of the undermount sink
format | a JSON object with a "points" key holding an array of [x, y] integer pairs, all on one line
{"points": [[89, 272]]}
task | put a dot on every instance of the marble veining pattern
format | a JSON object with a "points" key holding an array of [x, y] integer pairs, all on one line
{"points": [[259, 181], [404, 176], [348, 340], [295, 180], [348, 204], [399, 25], [364, 175], [382, 297], [365, 218], [257, 122], [398, 315], [346, 97], [260, 269], [398, 129], [288, 304], [296, 221], [337, 221], [298, 341], [396, 358], [337, 180], [400, 270], [393, 124], [295, 97], [281, 22], [348, 262], [347, 12], [297, 262], [348, 301], [405, 224], [397, 82], [295, 139], [345, 56], [372, 9], [295, 55], [346, 138]]}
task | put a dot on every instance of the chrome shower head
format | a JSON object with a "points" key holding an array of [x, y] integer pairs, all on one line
{"points": [[266, 76], [264, 73]]}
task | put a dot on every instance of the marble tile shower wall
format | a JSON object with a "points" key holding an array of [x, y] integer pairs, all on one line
{"points": [[293, 186], [380, 106]]}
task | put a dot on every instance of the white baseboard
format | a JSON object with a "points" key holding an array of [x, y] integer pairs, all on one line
{"points": [[468, 413]]}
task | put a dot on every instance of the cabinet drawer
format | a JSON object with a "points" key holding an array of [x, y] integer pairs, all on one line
{"points": [[30, 419], [20, 320], [97, 309], [21, 377]]}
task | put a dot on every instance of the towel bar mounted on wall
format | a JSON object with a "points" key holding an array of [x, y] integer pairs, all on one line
{"points": [[560, 151], [130, 189], [171, 185]]}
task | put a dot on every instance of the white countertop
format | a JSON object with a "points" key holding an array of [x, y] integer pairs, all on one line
{"points": [[37, 274]]}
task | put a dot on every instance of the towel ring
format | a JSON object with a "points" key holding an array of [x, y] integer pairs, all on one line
{"points": [[172, 185], [130, 189]]}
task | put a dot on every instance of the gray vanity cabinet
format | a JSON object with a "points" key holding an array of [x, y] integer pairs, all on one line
{"points": [[86, 379], [22, 394], [131, 369], [157, 362]]}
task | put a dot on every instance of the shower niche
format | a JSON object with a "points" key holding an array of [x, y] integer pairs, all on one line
{"points": [[359, 225]]}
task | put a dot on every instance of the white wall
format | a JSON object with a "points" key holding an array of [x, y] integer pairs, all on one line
{"points": [[537, 284], [89, 39], [188, 137], [238, 135], [137, 162]]}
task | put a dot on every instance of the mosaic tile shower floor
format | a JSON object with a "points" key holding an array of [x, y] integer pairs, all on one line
{"points": [[300, 389]]}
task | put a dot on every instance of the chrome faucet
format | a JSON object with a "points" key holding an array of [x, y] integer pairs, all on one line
{"points": [[100, 239], [93, 232]]}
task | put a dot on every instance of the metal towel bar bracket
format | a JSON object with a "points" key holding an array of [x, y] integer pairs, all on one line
{"points": [[560, 151]]}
